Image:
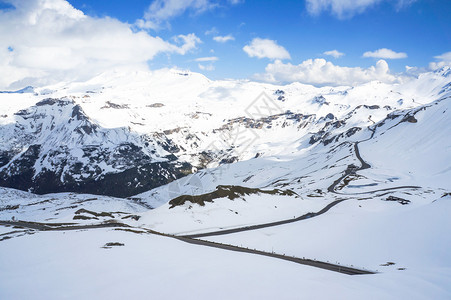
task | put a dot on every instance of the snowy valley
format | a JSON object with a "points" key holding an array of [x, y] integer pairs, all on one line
{"points": [[139, 182]]}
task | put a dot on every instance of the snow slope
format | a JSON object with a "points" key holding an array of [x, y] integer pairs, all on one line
{"points": [[420, 152], [167, 269], [358, 175], [118, 128]]}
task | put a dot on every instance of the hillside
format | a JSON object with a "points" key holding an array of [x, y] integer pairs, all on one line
{"points": [[168, 177]]}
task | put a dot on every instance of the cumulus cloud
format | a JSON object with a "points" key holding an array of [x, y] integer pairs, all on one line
{"points": [[44, 41], [187, 43], [209, 58], [385, 54], [348, 8], [265, 48], [321, 73], [223, 39], [334, 53]]}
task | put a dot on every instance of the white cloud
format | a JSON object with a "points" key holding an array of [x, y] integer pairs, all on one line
{"points": [[188, 42], [52, 41], [340, 8], [160, 12], [438, 64], [400, 4], [348, 8], [334, 53], [444, 57], [262, 48], [209, 67], [443, 60], [385, 54], [223, 39], [210, 58], [211, 31], [321, 72]]}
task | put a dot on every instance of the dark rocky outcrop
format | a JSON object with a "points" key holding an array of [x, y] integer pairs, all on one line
{"points": [[226, 191]]}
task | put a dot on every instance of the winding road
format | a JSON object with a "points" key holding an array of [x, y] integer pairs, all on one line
{"points": [[332, 189], [364, 166], [265, 225], [194, 238]]}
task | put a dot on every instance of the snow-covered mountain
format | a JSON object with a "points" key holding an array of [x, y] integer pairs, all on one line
{"points": [[347, 177], [121, 134]]}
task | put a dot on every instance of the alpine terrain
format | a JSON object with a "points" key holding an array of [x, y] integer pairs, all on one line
{"points": [[129, 179]]}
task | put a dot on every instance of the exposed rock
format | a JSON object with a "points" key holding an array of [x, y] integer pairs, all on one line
{"points": [[411, 119], [155, 105], [280, 95], [109, 104], [320, 100], [397, 199], [226, 191]]}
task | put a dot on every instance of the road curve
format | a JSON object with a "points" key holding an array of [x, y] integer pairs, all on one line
{"points": [[363, 165], [193, 238], [260, 226]]}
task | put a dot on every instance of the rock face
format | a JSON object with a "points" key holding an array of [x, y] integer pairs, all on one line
{"points": [[54, 146], [59, 149]]}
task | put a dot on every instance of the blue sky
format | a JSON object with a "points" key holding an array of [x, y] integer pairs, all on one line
{"points": [[273, 41], [421, 29]]}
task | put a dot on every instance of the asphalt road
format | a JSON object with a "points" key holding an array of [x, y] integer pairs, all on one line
{"points": [[303, 261], [260, 226], [193, 238], [60, 226], [331, 188], [363, 166]]}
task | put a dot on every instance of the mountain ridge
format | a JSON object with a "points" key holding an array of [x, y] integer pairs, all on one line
{"points": [[93, 137]]}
